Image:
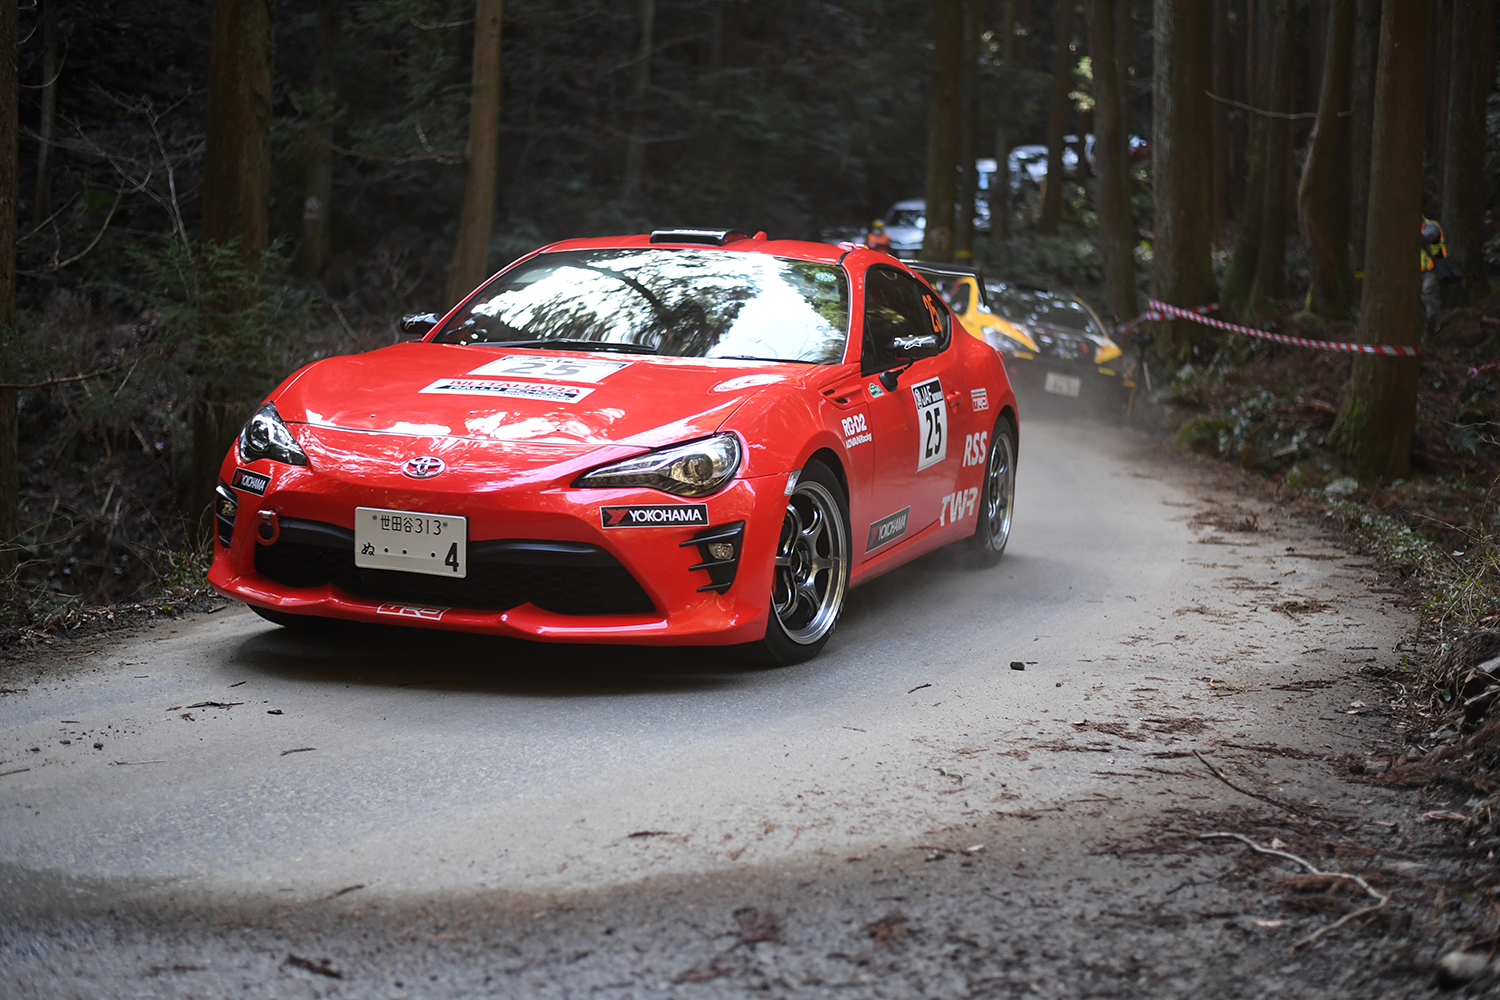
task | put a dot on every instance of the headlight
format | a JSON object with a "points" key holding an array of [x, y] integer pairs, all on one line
{"points": [[265, 436], [695, 469]]}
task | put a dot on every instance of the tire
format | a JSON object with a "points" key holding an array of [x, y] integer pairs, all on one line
{"points": [[811, 575], [305, 624], [997, 501]]}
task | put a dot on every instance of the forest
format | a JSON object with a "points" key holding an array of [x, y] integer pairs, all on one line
{"points": [[199, 196]]}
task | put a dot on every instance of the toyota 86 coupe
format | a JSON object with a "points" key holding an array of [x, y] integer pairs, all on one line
{"points": [[695, 437]]}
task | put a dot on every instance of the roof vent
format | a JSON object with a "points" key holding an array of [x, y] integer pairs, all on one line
{"points": [[708, 237]]}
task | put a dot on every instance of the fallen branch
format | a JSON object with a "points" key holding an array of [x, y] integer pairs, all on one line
{"points": [[1380, 898], [1245, 791]]}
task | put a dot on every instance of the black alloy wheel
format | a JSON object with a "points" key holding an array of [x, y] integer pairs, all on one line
{"points": [[811, 575], [998, 499]]}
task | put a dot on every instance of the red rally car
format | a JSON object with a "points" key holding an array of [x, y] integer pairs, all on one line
{"points": [[697, 437]]}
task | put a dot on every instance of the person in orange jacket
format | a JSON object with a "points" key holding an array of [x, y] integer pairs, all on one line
{"points": [[877, 238]]}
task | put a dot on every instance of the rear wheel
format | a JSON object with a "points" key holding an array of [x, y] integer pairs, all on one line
{"points": [[987, 544], [811, 574]]}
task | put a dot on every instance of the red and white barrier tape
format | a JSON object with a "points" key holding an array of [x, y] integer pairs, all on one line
{"points": [[1161, 310], [1153, 316]]}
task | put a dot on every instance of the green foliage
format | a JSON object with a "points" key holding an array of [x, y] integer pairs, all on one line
{"points": [[227, 331], [1458, 588]]}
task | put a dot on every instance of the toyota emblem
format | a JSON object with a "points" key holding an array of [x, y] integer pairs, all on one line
{"points": [[423, 466]]}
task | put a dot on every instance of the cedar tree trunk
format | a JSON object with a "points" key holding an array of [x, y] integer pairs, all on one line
{"points": [[47, 119], [1374, 429], [942, 132], [236, 200], [237, 151], [1270, 264], [968, 138], [1362, 101], [1222, 65], [1241, 273], [635, 147], [1116, 234], [1182, 158], [10, 453], [1472, 76], [1322, 205], [1000, 195], [1057, 117], [312, 256], [472, 253]]}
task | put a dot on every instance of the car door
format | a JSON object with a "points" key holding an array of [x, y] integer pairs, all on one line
{"points": [[918, 431]]}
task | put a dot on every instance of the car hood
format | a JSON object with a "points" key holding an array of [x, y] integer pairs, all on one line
{"points": [[427, 390]]}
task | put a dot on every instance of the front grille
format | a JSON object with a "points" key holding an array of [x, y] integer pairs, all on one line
{"points": [[566, 578]]}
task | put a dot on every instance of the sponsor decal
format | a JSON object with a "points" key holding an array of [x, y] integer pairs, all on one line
{"points": [[932, 423], [509, 390], [980, 398], [874, 390], [976, 446], [423, 466], [423, 612], [668, 515], [551, 369], [887, 529], [856, 431], [957, 506], [250, 482]]}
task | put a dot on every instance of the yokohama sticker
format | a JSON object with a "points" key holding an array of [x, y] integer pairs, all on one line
{"points": [[511, 390], [671, 515], [887, 529], [423, 612], [250, 482]]}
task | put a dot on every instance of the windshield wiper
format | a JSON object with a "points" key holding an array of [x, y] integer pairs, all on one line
{"points": [[575, 345], [751, 357]]}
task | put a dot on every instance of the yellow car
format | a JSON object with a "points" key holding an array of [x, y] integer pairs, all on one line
{"points": [[964, 290], [1063, 346]]}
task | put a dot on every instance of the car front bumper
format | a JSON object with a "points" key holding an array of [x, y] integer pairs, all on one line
{"points": [[541, 562]]}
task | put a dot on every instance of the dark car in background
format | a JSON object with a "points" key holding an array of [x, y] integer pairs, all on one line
{"points": [[1075, 358]]}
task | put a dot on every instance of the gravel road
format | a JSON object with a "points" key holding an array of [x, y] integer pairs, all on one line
{"points": [[214, 806]]}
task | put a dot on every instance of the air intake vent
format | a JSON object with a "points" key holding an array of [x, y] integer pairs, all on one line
{"points": [[707, 237]]}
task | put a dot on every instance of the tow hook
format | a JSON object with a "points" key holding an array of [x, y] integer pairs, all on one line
{"points": [[269, 529]]}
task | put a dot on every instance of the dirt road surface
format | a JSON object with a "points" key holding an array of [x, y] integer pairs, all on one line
{"points": [[216, 807]]}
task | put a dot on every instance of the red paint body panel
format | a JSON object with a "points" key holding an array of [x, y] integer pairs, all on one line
{"points": [[511, 464]]}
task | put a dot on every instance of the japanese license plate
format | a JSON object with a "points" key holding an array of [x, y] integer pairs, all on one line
{"points": [[411, 541], [1063, 385]]}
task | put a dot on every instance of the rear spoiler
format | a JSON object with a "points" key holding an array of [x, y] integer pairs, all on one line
{"points": [[925, 268]]}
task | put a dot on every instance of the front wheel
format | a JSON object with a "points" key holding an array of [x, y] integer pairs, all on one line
{"points": [[811, 574], [987, 544]]}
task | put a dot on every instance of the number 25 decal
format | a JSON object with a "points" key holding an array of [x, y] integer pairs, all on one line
{"points": [[932, 423]]}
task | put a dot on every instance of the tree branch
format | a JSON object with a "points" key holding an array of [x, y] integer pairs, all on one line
{"points": [[52, 269], [59, 381], [1298, 116], [434, 158]]}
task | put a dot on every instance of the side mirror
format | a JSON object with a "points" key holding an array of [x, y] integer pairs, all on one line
{"points": [[914, 348], [418, 324]]}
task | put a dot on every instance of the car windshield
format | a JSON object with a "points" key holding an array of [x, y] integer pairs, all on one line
{"points": [[909, 218], [1045, 310], [678, 303]]}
